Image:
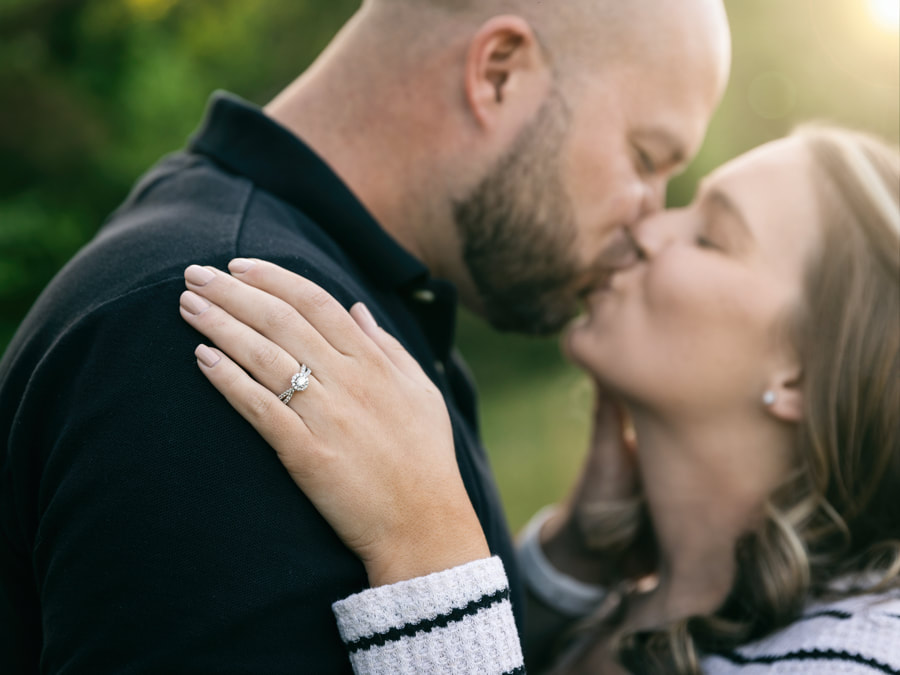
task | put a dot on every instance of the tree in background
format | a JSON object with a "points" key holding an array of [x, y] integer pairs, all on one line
{"points": [[94, 91]]}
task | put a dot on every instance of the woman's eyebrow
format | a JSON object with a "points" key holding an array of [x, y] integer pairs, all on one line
{"points": [[719, 199]]}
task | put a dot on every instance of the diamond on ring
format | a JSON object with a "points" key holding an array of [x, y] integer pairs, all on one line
{"points": [[299, 382]]}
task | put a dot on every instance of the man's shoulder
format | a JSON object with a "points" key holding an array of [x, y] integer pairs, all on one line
{"points": [[188, 209], [185, 210]]}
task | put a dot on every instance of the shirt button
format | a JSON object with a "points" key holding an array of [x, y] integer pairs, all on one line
{"points": [[424, 296], [439, 366]]}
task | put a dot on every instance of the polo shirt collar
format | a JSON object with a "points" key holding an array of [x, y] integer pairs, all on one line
{"points": [[244, 140]]}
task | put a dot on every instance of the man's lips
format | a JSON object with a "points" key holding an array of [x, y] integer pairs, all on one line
{"points": [[603, 282], [621, 254]]}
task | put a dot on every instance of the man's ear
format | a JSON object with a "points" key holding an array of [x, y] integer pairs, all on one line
{"points": [[784, 398], [506, 71]]}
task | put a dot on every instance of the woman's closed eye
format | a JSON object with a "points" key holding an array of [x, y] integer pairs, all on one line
{"points": [[709, 237], [708, 233], [705, 242], [646, 161]]}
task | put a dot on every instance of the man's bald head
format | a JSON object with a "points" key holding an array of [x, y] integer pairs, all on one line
{"points": [[577, 35]]}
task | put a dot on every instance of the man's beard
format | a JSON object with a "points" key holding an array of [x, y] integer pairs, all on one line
{"points": [[518, 231]]}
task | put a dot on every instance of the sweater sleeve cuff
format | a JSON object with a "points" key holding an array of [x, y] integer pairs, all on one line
{"points": [[456, 621]]}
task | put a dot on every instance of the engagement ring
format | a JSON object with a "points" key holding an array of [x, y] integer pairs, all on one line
{"points": [[299, 382]]}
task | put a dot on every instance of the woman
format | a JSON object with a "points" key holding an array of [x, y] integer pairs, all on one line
{"points": [[746, 456]]}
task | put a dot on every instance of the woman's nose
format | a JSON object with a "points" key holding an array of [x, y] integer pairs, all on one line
{"points": [[654, 233]]}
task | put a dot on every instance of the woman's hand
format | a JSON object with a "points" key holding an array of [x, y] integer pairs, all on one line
{"points": [[577, 538], [600, 535], [369, 441]]}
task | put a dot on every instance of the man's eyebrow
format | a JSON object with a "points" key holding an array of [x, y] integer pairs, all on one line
{"points": [[677, 152]]}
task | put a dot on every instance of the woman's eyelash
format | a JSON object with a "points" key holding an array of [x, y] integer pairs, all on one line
{"points": [[646, 161], [704, 238]]}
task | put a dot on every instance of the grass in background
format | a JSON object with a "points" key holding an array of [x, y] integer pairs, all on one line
{"points": [[534, 415]]}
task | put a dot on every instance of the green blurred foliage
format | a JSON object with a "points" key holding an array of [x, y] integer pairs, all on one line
{"points": [[93, 91]]}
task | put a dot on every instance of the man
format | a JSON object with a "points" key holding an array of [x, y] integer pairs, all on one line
{"points": [[501, 145]]}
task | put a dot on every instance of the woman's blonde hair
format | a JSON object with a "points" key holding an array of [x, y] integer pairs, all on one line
{"points": [[838, 515]]}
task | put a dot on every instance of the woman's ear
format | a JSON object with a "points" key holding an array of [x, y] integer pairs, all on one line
{"points": [[506, 72], [784, 398]]}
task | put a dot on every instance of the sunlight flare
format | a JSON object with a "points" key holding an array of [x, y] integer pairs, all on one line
{"points": [[886, 13]]}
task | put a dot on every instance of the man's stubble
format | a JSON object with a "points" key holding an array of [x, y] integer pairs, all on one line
{"points": [[519, 234]]}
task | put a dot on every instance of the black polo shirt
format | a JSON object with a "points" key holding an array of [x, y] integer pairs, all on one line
{"points": [[144, 526]]}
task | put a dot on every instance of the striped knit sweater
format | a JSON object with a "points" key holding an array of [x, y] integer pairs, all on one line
{"points": [[460, 621]]}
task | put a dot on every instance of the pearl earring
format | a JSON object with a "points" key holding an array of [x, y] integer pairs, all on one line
{"points": [[769, 398]]}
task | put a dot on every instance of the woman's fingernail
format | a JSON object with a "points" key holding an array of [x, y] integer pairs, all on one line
{"points": [[240, 265], [193, 303], [207, 356], [199, 276], [363, 315]]}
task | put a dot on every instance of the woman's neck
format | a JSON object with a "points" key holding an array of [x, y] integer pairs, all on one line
{"points": [[701, 500]]}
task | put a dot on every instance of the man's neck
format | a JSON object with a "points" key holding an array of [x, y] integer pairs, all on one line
{"points": [[372, 138]]}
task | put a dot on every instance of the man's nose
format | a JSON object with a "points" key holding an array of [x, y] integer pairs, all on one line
{"points": [[641, 199], [654, 196]]}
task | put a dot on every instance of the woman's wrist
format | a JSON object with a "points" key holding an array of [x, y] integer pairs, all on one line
{"points": [[406, 566], [563, 543], [555, 586], [439, 548]]}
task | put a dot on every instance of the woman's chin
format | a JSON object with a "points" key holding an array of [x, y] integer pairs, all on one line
{"points": [[585, 348]]}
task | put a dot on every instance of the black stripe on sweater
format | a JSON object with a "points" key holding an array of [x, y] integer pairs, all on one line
{"points": [[831, 613], [428, 625], [809, 655]]}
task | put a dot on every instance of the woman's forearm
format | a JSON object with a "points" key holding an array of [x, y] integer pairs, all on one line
{"points": [[456, 621]]}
